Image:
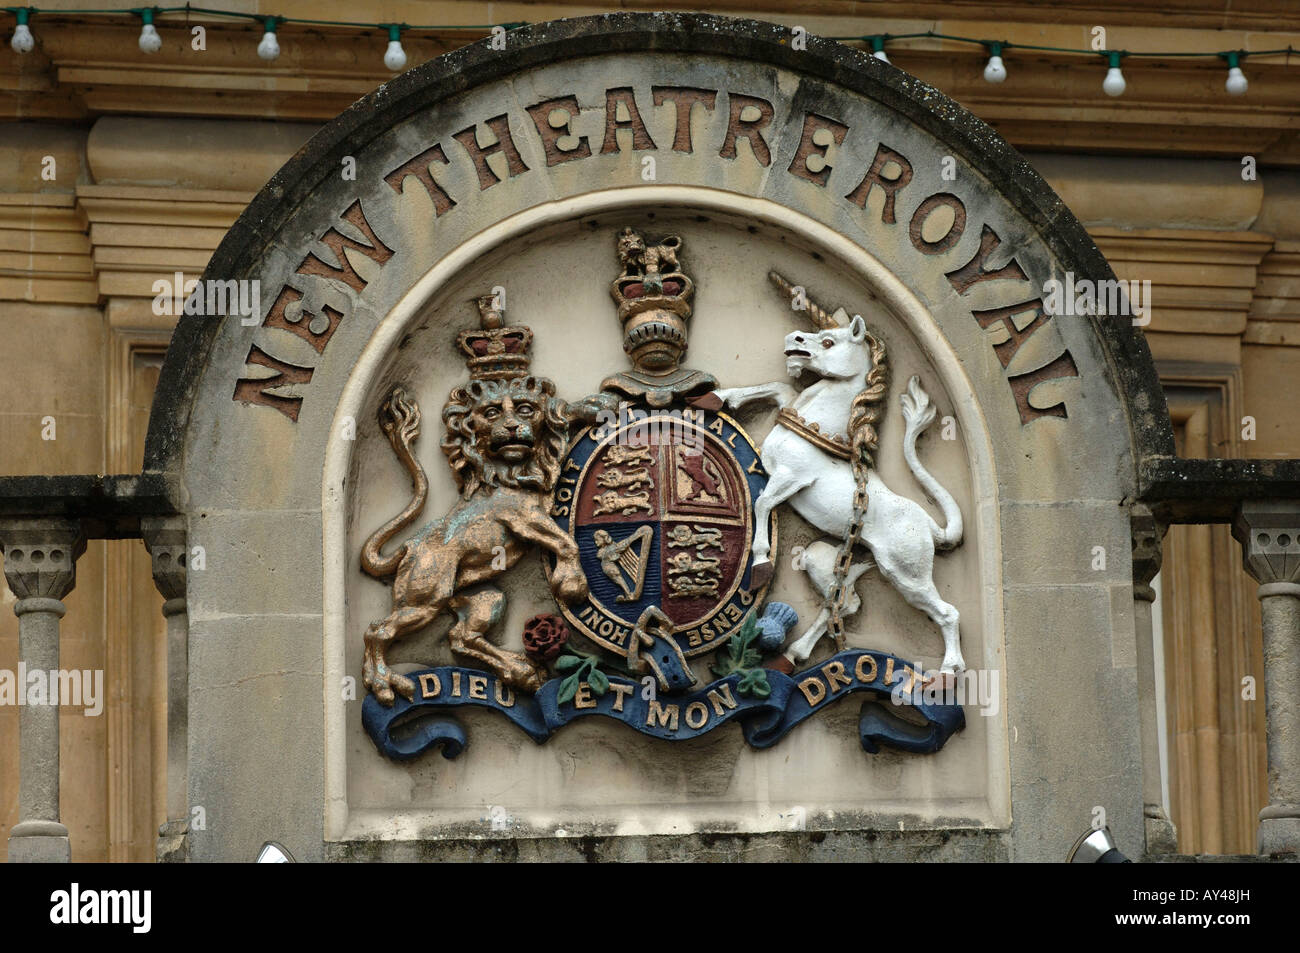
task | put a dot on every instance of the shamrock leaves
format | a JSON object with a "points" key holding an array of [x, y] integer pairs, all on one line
{"points": [[581, 668]]}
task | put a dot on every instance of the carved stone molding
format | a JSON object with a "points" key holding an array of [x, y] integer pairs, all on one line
{"points": [[41, 556], [165, 538], [45, 251], [1269, 533], [1148, 553], [41, 568], [167, 541]]}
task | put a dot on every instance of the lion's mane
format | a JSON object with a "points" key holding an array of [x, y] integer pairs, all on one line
{"points": [[470, 465]]}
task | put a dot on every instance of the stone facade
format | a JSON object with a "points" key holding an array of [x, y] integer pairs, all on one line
{"points": [[282, 533]]}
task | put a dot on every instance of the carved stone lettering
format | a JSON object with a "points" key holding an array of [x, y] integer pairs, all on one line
{"points": [[1023, 384], [684, 99], [420, 168], [302, 325], [891, 185], [749, 129], [1006, 317], [504, 144], [249, 390], [974, 271], [624, 97], [375, 250], [809, 150], [551, 135], [922, 214]]}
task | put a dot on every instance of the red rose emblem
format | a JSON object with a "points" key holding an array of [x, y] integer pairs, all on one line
{"points": [[545, 637]]}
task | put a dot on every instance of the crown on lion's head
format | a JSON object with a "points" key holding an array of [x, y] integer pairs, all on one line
{"points": [[504, 433]]}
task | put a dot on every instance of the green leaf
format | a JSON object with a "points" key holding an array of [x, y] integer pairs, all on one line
{"points": [[568, 688], [598, 681], [567, 663], [740, 652], [754, 683]]}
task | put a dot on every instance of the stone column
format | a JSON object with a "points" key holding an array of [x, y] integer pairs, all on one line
{"points": [[41, 568], [166, 540], [1147, 533], [1269, 532]]}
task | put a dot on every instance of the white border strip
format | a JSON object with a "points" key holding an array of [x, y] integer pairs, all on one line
{"points": [[903, 305]]}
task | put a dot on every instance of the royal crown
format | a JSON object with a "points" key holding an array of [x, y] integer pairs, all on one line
{"points": [[498, 351], [652, 279]]}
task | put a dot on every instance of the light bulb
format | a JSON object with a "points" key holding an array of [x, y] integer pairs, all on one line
{"points": [[995, 72], [22, 41], [150, 41], [269, 48], [1113, 84], [395, 56], [880, 55], [878, 48], [1236, 83]]}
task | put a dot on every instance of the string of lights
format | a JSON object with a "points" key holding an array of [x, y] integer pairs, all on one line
{"points": [[1114, 84]]}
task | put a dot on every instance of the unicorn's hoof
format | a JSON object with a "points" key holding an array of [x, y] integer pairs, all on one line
{"points": [[779, 663], [760, 575], [710, 401]]}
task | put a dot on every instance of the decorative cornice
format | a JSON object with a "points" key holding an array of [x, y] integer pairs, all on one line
{"points": [[140, 234], [41, 556], [1206, 490], [88, 67], [45, 253], [165, 538], [1146, 535], [1269, 533], [1275, 310], [1202, 282]]}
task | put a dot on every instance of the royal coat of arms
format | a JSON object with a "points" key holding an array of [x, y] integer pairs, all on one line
{"points": [[655, 512]]}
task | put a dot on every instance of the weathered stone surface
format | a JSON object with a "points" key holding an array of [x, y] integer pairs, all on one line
{"points": [[1269, 532], [282, 484], [833, 847]]}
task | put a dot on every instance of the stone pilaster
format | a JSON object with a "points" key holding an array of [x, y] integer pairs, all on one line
{"points": [[1269, 533], [1147, 533], [166, 540], [40, 568]]}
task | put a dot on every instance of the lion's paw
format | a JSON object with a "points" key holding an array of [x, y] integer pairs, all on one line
{"points": [[387, 685]]}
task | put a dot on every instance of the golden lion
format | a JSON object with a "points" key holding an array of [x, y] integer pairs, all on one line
{"points": [[504, 441]]}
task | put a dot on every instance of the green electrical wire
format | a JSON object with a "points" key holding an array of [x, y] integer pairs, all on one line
{"points": [[261, 18], [256, 17], [1007, 45]]}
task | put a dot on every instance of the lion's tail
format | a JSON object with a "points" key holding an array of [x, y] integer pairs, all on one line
{"points": [[400, 419], [919, 413]]}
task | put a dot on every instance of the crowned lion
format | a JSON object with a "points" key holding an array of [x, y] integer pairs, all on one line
{"points": [[504, 439]]}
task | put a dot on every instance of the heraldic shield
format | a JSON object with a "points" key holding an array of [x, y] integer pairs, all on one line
{"points": [[661, 506], [643, 498]]}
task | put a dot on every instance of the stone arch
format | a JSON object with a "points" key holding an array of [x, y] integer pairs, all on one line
{"points": [[438, 80], [266, 480]]}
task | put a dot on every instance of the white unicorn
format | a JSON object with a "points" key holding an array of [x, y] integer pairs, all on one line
{"points": [[807, 455]]}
